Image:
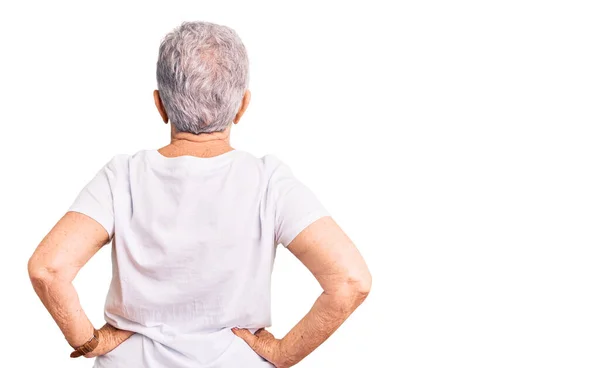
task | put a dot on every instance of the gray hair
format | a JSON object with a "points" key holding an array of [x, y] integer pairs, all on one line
{"points": [[202, 74]]}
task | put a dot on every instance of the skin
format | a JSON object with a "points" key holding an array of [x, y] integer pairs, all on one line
{"points": [[322, 247], [342, 273], [52, 268]]}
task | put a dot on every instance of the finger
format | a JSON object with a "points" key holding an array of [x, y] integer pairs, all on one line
{"points": [[247, 336]]}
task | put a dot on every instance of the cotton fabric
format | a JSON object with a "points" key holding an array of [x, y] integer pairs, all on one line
{"points": [[193, 246]]}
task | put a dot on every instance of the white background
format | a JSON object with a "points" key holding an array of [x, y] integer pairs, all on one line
{"points": [[456, 142]]}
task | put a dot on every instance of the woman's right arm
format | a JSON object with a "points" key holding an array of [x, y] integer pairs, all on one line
{"points": [[346, 281]]}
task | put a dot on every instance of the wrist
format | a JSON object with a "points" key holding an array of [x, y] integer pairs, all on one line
{"points": [[88, 347], [81, 337], [286, 353]]}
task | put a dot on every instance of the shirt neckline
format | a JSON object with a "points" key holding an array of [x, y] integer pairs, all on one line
{"points": [[187, 160]]}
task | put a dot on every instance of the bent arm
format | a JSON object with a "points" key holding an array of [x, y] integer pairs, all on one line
{"points": [[52, 269], [342, 273], [54, 265]]}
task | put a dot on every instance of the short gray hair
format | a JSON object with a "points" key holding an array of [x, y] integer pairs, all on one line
{"points": [[202, 74]]}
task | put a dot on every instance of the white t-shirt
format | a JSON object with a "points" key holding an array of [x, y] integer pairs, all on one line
{"points": [[193, 245]]}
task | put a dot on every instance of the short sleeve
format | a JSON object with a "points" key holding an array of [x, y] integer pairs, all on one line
{"points": [[296, 206], [96, 199]]}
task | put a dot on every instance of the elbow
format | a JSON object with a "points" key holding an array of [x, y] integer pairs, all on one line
{"points": [[354, 289], [363, 285], [40, 273]]}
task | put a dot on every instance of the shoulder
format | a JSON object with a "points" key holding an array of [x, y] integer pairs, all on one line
{"points": [[267, 165], [119, 161], [274, 166], [117, 165], [125, 160]]}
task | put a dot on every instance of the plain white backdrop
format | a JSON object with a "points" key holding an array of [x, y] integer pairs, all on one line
{"points": [[457, 143]]}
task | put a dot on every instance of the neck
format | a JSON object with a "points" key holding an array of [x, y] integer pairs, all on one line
{"points": [[199, 145]]}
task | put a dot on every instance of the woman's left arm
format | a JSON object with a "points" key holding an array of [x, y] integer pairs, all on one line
{"points": [[52, 269]]}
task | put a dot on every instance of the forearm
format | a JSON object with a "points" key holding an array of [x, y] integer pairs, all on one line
{"points": [[326, 316], [61, 300]]}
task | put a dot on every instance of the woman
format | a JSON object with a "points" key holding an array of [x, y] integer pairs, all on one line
{"points": [[194, 226]]}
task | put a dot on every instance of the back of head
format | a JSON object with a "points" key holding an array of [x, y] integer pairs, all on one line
{"points": [[202, 74]]}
